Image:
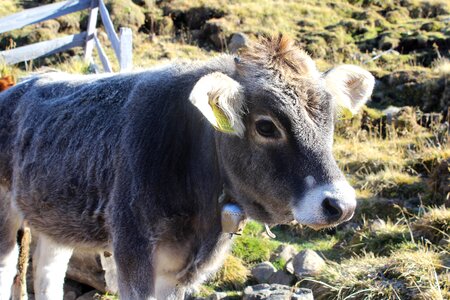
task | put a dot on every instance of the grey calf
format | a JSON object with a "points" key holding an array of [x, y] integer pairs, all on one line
{"points": [[135, 162]]}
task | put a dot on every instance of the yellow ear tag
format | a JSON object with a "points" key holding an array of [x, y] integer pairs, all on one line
{"points": [[344, 113], [223, 124]]}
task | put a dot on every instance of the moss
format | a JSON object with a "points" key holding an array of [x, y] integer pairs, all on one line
{"points": [[252, 250], [432, 26], [398, 15]]}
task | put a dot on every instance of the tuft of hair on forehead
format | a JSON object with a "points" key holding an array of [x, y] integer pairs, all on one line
{"points": [[281, 55]]}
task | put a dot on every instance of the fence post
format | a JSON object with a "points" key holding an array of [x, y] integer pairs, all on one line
{"points": [[126, 49], [90, 31]]}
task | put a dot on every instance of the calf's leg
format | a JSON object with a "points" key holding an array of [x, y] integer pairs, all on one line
{"points": [[166, 287], [134, 270], [50, 262], [9, 250]]}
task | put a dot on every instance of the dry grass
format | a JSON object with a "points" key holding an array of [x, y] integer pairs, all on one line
{"points": [[8, 7], [232, 275], [441, 66], [405, 274], [434, 225]]}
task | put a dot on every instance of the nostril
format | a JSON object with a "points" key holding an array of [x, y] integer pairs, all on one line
{"points": [[332, 209]]}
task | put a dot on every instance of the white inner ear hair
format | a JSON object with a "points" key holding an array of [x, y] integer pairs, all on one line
{"points": [[220, 89], [350, 85]]}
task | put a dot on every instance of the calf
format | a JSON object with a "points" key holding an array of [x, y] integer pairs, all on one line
{"points": [[136, 163]]}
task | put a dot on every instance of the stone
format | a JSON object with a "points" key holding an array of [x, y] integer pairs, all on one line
{"points": [[302, 294], [70, 295], [276, 292], [284, 253], [73, 289], [196, 17], [307, 263], [289, 267], [217, 296], [213, 33], [263, 271], [281, 277], [237, 41], [96, 270]]}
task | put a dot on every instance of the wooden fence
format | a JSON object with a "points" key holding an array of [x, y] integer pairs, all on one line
{"points": [[121, 44]]}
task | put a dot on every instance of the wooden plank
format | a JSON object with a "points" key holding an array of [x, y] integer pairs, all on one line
{"points": [[41, 13], [90, 32], [36, 50], [102, 55], [126, 49], [109, 27]]}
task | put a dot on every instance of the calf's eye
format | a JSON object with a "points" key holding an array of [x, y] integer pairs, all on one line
{"points": [[266, 128]]}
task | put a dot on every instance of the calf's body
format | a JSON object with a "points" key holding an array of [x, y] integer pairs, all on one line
{"points": [[131, 163]]}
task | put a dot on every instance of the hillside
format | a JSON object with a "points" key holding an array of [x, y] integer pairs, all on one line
{"points": [[397, 245]]}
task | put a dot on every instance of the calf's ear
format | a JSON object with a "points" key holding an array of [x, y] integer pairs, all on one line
{"points": [[220, 99], [350, 86]]}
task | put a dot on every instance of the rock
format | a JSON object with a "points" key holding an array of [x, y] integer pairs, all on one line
{"points": [[96, 270], [263, 271], [71, 295], [289, 267], [213, 32], [284, 253], [73, 289], [445, 242], [196, 17], [276, 292], [238, 40], [217, 296], [89, 295], [302, 294], [307, 263], [281, 277], [193, 18]]}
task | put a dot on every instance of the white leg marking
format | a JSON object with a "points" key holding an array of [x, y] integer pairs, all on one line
{"points": [[8, 270], [49, 267]]}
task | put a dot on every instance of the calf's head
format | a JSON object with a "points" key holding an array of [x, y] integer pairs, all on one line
{"points": [[277, 113]]}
